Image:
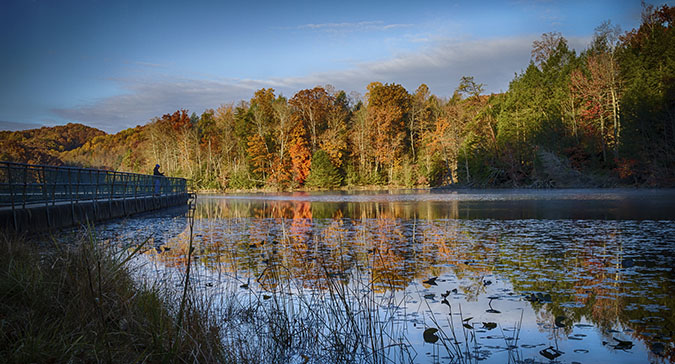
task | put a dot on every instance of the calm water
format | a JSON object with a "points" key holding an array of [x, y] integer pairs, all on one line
{"points": [[580, 275]]}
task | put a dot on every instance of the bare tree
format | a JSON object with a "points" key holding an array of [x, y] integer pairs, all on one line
{"points": [[544, 48]]}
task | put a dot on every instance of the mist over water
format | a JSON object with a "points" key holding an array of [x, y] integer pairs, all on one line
{"points": [[583, 275]]}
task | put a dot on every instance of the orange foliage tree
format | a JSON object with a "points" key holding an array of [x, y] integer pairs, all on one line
{"points": [[312, 107], [301, 158], [388, 108]]}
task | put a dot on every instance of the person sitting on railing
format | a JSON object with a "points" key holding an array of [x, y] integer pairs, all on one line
{"points": [[158, 179]]}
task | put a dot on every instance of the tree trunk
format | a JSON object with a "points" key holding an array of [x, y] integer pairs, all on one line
{"points": [[574, 118], [602, 137], [466, 166], [615, 114]]}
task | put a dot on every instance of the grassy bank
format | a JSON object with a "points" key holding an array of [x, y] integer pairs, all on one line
{"points": [[79, 303]]}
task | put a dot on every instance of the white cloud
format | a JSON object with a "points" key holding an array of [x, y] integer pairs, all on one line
{"points": [[440, 65]]}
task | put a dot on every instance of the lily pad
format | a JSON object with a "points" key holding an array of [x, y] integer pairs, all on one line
{"points": [[559, 321], [431, 281], [430, 335], [489, 325], [623, 344], [550, 353]]}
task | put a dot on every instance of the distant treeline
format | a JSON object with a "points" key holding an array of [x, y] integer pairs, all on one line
{"points": [[608, 112]]}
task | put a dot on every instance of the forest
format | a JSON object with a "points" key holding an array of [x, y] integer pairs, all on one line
{"points": [[601, 118]]}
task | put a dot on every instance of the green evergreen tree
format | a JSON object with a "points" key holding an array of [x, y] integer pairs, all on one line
{"points": [[323, 173]]}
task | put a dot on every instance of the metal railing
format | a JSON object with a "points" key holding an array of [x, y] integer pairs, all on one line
{"points": [[27, 184]]}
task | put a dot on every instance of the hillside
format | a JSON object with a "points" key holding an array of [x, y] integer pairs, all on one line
{"points": [[44, 145], [123, 151]]}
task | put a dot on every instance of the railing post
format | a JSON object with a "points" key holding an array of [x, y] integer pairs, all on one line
{"points": [[96, 185], [112, 187], [78, 181], [54, 183], [125, 179], [43, 177], [91, 192], [11, 194], [70, 196], [25, 184]]}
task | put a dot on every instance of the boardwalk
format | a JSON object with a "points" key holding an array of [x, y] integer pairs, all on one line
{"points": [[35, 198]]}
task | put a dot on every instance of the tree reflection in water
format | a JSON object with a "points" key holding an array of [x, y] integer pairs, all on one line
{"points": [[614, 275]]}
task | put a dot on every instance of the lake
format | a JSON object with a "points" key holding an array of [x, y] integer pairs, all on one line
{"points": [[490, 276]]}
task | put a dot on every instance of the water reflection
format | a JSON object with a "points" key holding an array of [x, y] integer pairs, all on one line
{"points": [[617, 204], [585, 279]]}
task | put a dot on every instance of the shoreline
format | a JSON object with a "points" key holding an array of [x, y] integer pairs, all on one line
{"points": [[456, 187]]}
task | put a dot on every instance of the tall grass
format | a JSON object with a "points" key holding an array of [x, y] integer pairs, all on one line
{"points": [[283, 321], [80, 303]]}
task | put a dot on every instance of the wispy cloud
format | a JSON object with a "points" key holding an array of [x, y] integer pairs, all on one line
{"points": [[352, 27], [145, 99], [440, 65], [148, 64], [14, 126]]}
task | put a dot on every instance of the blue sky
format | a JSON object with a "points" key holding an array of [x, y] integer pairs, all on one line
{"points": [[115, 64]]}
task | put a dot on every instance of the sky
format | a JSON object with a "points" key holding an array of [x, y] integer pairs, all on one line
{"points": [[115, 64]]}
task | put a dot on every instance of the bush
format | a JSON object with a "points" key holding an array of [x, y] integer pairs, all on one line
{"points": [[241, 178]]}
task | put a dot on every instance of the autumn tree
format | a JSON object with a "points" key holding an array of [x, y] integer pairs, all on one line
{"points": [[282, 134], [174, 140], [216, 128], [333, 140], [259, 142], [300, 154], [388, 108], [418, 113], [362, 148], [313, 107], [597, 87]]}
